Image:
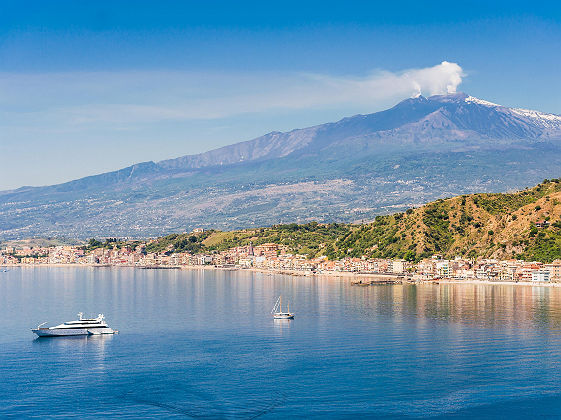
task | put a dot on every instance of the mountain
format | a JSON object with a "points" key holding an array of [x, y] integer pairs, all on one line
{"points": [[354, 169], [498, 225]]}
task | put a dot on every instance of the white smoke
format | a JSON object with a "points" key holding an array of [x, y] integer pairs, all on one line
{"points": [[125, 98], [382, 86], [438, 80]]}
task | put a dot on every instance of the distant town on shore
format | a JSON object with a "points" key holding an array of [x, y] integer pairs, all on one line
{"points": [[275, 257], [501, 237]]}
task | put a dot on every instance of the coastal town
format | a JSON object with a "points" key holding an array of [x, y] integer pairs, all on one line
{"points": [[276, 258]]}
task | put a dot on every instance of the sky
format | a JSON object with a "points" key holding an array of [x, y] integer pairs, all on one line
{"points": [[89, 87]]}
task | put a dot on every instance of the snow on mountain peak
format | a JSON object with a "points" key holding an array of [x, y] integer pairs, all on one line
{"points": [[543, 119], [474, 100]]}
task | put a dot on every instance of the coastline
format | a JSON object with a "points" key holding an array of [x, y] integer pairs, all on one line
{"points": [[362, 279], [499, 283]]}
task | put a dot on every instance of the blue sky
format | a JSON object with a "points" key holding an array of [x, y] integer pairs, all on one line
{"points": [[91, 87]]}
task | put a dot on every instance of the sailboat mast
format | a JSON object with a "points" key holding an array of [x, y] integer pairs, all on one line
{"points": [[280, 300]]}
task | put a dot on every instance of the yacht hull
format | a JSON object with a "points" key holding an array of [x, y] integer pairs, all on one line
{"points": [[60, 332]]}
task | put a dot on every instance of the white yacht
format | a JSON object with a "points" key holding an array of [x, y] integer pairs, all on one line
{"points": [[278, 313], [82, 326]]}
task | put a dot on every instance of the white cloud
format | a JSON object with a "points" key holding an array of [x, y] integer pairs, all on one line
{"points": [[125, 98]]}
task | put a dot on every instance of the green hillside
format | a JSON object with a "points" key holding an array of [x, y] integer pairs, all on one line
{"points": [[489, 225]]}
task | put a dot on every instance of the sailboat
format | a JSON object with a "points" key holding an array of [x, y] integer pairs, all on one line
{"points": [[278, 313]]}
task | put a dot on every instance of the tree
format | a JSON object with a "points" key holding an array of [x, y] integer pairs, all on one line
{"points": [[410, 255], [94, 243]]}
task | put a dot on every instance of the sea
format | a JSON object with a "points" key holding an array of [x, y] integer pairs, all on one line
{"points": [[202, 344]]}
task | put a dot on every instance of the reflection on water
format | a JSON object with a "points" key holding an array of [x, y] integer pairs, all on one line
{"points": [[93, 345], [479, 304], [87, 347], [282, 325], [204, 344]]}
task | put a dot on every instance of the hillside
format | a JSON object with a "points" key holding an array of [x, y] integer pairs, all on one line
{"points": [[357, 168], [489, 225]]}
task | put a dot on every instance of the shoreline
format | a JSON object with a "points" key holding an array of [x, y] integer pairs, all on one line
{"points": [[368, 278]]}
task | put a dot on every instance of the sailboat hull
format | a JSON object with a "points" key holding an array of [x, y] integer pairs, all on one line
{"points": [[283, 316]]}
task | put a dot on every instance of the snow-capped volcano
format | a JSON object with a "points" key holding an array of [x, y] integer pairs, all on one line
{"points": [[452, 117], [420, 149]]}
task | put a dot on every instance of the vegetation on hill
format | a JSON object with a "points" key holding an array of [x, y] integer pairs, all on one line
{"points": [[488, 225], [109, 243], [184, 242]]}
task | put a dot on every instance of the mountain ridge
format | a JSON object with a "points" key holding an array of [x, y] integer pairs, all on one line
{"points": [[418, 150], [196, 161]]}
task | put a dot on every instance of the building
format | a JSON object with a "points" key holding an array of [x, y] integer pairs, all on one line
{"points": [[267, 250], [554, 270], [91, 259], [540, 275], [204, 259], [398, 266], [443, 268]]}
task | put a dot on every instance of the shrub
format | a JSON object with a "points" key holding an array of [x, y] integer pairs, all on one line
{"points": [[533, 231]]}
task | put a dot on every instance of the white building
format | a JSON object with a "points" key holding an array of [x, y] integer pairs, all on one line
{"points": [[540, 275], [443, 268], [91, 259], [398, 267]]}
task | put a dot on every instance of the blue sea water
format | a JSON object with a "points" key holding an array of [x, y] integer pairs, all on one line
{"points": [[202, 344]]}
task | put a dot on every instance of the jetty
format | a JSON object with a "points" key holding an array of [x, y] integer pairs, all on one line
{"points": [[379, 280]]}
